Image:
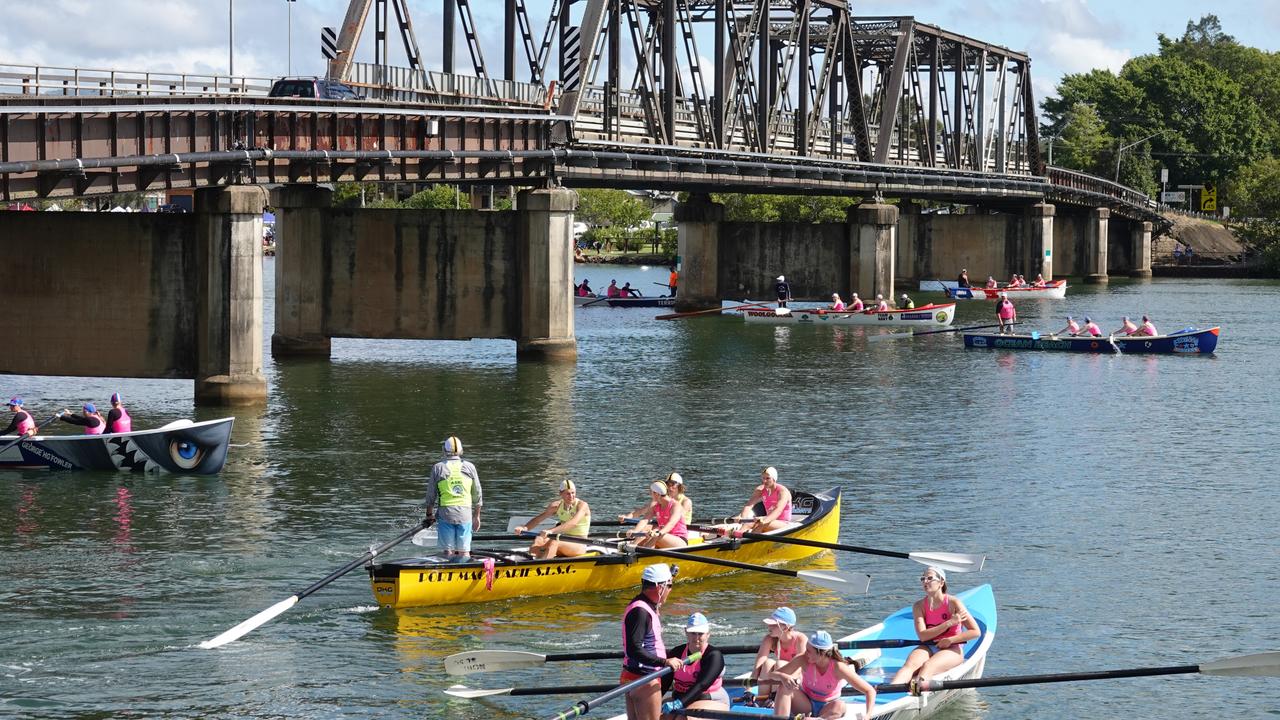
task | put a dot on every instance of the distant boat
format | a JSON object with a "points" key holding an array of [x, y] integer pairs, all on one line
{"points": [[1052, 290], [928, 315], [182, 446], [1184, 342]]}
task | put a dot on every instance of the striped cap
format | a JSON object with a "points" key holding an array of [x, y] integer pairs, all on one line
{"points": [[452, 446]]}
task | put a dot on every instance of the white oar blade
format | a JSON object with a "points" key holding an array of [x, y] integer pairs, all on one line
{"points": [[858, 584], [515, 522], [251, 624], [426, 538], [1262, 664], [951, 562], [462, 691], [478, 661]]}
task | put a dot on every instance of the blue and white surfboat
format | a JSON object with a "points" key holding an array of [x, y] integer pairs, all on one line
{"points": [[182, 446]]}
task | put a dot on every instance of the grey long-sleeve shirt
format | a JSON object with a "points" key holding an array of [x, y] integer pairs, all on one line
{"points": [[458, 514]]}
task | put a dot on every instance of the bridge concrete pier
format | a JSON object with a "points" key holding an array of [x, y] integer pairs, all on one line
{"points": [[873, 234], [299, 271], [1095, 259], [545, 257], [698, 227], [1040, 238], [229, 317], [1140, 237]]}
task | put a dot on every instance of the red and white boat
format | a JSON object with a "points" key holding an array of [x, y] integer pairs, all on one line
{"points": [[1052, 290]]}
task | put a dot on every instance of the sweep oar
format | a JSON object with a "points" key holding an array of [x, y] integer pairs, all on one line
{"points": [[265, 616], [674, 316], [1261, 664], [479, 661], [898, 336], [466, 693], [956, 562], [516, 521], [828, 579], [20, 438], [582, 707]]}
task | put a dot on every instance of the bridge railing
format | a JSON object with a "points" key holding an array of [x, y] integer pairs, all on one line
{"points": [[401, 84], [1091, 184], [51, 80]]}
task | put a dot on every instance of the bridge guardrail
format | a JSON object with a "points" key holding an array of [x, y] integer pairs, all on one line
{"points": [[52, 80]]}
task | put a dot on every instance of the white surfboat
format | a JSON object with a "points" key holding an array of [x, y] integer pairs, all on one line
{"points": [[883, 663], [930, 315], [1053, 290]]}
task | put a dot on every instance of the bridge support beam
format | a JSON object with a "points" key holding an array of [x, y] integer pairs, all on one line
{"points": [[229, 317], [545, 255], [698, 221], [1040, 239], [299, 268], [1095, 260], [1140, 235], [873, 234]]}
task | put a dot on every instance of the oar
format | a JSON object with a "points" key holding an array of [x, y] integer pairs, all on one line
{"points": [[674, 316], [836, 581], [731, 715], [265, 616], [19, 438], [1265, 664], [582, 707], [479, 661], [516, 521], [1112, 339], [662, 284], [602, 298], [955, 562], [462, 691], [896, 336]]}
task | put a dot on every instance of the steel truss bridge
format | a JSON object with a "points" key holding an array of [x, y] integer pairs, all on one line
{"points": [[801, 97]]}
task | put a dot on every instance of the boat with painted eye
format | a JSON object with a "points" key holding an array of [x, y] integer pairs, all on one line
{"points": [[1052, 290], [880, 665], [930, 315], [182, 446], [429, 581], [1189, 341]]}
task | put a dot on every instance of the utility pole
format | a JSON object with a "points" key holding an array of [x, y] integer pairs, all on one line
{"points": [[231, 37], [1122, 148], [289, 4]]}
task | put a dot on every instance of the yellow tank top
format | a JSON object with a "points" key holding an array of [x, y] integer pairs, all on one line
{"points": [[563, 515]]}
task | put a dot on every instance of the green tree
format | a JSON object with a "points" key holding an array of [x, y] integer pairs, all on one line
{"points": [[611, 208], [351, 195], [438, 197], [1255, 189], [740, 207], [1084, 141]]}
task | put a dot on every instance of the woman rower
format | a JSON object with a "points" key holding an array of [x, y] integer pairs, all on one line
{"points": [[91, 420], [1091, 328], [837, 305], [1039, 282], [698, 685], [991, 283], [943, 626], [573, 518], [855, 303], [810, 684], [776, 500], [1146, 328], [881, 304], [1072, 328], [782, 641], [675, 488], [22, 424], [1127, 328], [118, 420], [663, 521]]}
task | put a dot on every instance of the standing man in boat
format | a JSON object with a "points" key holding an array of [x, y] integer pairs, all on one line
{"points": [[776, 500], [118, 420], [22, 424], [455, 489], [573, 518], [782, 289], [963, 280], [1006, 313], [698, 685], [673, 280], [643, 651], [91, 420]]}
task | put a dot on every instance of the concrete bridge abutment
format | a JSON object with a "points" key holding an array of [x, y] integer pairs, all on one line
{"points": [[1039, 219], [545, 261], [1096, 246], [1140, 249], [698, 222], [873, 236]]}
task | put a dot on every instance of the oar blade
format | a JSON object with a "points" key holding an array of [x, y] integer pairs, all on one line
{"points": [[889, 336], [857, 584], [462, 691], [951, 562], [478, 661], [251, 624], [516, 521], [1262, 664], [425, 538]]}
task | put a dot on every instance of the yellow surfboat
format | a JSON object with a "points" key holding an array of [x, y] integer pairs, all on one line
{"points": [[414, 582]]}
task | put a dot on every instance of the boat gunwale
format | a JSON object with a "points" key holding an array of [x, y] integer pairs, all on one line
{"points": [[82, 437]]}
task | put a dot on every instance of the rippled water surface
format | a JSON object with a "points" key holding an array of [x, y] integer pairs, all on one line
{"points": [[1125, 503]]}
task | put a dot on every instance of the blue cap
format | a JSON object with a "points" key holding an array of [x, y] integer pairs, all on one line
{"points": [[784, 615], [89, 408], [14, 400], [116, 398], [821, 640]]}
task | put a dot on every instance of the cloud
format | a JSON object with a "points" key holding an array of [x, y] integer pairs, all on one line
{"points": [[1069, 53]]}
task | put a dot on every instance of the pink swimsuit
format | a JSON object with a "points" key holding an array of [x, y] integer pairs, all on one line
{"points": [[821, 686], [770, 500], [934, 617]]}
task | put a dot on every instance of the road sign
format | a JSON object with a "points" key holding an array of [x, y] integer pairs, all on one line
{"points": [[1170, 196], [329, 43], [1209, 198]]}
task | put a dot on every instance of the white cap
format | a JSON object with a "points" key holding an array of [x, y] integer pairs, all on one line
{"points": [[659, 488], [452, 446], [879, 296], [657, 573], [568, 485], [676, 478], [697, 624], [772, 472], [781, 278], [904, 294]]}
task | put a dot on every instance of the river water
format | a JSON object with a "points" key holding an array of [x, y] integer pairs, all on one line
{"points": [[1122, 502]]}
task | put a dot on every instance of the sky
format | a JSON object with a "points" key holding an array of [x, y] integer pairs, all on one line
{"points": [[1061, 36]]}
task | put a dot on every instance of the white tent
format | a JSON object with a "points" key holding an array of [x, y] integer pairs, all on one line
{"points": [[118, 208], [54, 208]]}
